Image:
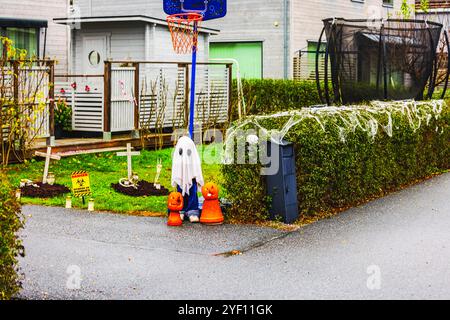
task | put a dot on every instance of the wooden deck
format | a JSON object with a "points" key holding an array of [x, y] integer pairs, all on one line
{"points": [[74, 146]]}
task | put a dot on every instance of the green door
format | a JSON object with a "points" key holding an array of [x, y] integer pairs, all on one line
{"points": [[248, 54]]}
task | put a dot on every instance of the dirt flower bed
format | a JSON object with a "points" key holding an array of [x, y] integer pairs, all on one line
{"points": [[144, 188], [44, 190]]}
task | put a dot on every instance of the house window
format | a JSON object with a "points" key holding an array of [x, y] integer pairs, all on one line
{"points": [[23, 38], [388, 3], [94, 58]]}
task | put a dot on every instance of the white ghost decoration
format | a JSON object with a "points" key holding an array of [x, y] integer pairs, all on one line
{"points": [[186, 165]]}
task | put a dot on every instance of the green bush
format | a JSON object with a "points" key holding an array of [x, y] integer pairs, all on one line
{"points": [[247, 191], [269, 95], [63, 114], [341, 164], [11, 248]]}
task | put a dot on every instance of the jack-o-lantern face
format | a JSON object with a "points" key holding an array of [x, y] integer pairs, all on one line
{"points": [[210, 191], [175, 202]]}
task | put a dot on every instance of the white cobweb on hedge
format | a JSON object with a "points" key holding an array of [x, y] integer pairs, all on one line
{"points": [[351, 118]]}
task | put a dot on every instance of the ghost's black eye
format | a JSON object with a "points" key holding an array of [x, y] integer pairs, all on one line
{"points": [[180, 152], [189, 152]]}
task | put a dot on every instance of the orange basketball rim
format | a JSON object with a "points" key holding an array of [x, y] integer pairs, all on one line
{"points": [[184, 28]]}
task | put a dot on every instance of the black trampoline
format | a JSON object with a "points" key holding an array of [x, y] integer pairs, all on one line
{"points": [[378, 60]]}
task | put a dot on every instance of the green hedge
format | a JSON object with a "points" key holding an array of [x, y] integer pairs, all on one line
{"points": [[341, 165], [270, 95], [10, 245]]}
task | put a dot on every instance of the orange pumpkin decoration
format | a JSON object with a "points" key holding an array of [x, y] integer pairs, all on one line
{"points": [[211, 212], [175, 205], [210, 191]]}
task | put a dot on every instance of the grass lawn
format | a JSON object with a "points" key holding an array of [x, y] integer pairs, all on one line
{"points": [[107, 168]]}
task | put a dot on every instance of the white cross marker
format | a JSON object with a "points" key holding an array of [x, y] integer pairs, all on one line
{"points": [[47, 157], [158, 173], [129, 155]]}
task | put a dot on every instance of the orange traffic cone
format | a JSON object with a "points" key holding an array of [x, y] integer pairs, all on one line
{"points": [[175, 205], [211, 212]]}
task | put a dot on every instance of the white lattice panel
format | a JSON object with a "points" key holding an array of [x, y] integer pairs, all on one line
{"points": [[86, 104]]}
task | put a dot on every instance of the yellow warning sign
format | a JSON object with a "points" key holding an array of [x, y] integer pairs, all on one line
{"points": [[81, 184]]}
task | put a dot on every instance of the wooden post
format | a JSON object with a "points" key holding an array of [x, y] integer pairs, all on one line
{"points": [[136, 96], [107, 101], [51, 94], [187, 92], [16, 76], [230, 91], [16, 83]]}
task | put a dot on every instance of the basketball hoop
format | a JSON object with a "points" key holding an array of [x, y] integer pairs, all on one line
{"points": [[184, 19], [184, 28]]}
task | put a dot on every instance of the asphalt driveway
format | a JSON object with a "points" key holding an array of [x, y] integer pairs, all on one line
{"points": [[397, 247]]}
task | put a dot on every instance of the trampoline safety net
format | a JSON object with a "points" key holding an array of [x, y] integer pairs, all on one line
{"points": [[379, 59]]}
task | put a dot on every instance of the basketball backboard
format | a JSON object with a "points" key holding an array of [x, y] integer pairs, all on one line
{"points": [[211, 9]]}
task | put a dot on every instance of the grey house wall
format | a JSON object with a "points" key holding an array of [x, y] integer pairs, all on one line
{"points": [[256, 20], [95, 8], [126, 41], [57, 37], [247, 20]]}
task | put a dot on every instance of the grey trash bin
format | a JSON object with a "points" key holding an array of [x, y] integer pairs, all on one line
{"points": [[282, 187]]}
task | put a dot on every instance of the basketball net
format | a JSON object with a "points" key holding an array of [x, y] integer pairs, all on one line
{"points": [[184, 29]]}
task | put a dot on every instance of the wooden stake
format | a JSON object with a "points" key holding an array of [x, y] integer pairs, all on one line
{"points": [[48, 156], [158, 173]]}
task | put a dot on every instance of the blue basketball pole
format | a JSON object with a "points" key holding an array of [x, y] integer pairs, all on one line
{"points": [[194, 71]]}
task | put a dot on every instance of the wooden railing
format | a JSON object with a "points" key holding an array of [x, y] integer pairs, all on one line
{"points": [[133, 95], [155, 94]]}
